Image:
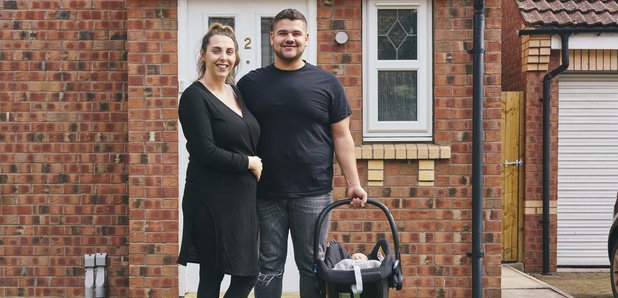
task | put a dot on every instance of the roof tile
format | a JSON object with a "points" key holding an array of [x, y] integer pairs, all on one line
{"points": [[569, 13], [612, 5]]}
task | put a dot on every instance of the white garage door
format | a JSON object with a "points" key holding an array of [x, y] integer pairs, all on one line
{"points": [[587, 167]]}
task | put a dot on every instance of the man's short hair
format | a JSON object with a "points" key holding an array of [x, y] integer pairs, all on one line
{"points": [[288, 14]]}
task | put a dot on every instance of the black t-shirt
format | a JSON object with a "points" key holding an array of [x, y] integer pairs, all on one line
{"points": [[295, 110]]}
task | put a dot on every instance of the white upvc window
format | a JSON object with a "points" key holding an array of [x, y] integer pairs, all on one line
{"points": [[397, 95]]}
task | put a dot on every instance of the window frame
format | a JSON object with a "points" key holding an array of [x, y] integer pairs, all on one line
{"points": [[421, 129]]}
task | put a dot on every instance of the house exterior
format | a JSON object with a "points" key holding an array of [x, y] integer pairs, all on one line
{"points": [[92, 158], [582, 124]]}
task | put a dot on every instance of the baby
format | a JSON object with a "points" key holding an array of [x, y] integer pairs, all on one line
{"points": [[357, 259]]}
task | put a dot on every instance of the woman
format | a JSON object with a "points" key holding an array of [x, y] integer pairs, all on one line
{"points": [[220, 221]]}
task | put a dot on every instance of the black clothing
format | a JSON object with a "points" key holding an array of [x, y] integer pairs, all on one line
{"points": [[218, 181], [203, 233], [210, 280], [295, 110]]}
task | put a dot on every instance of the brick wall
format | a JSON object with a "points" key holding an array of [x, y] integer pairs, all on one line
{"points": [[63, 134], [153, 147], [512, 74], [533, 240], [345, 61], [434, 222], [88, 133], [525, 72], [75, 93]]}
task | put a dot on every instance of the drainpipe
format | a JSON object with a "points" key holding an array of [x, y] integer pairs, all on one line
{"points": [[101, 275], [564, 34], [477, 150], [564, 37], [89, 276]]}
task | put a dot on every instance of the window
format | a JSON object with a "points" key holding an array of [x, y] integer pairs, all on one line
{"points": [[267, 53], [227, 21], [397, 71]]}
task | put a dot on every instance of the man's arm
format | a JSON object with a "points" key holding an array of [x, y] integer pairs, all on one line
{"points": [[344, 151]]}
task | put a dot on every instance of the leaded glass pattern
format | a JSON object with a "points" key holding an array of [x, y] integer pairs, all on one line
{"points": [[268, 55], [397, 34], [229, 21], [397, 96]]}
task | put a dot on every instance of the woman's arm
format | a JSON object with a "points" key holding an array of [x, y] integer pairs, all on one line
{"points": [[196, 126]]}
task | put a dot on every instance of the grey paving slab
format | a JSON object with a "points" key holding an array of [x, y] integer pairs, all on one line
{"points": [[517, 284]]}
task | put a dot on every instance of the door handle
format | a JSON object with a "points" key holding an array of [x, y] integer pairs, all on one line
{"points": [[516, 163]]}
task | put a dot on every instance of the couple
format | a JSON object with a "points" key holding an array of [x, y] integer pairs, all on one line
{"points": [[301, 119]]}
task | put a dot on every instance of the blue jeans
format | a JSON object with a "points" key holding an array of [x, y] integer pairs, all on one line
{"points": [[298, 215]]}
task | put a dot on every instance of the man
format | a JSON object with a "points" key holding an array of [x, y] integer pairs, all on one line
{"points": [[304, 117]]}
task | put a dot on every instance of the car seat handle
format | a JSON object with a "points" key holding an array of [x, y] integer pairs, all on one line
{"points": [[327, 209]]}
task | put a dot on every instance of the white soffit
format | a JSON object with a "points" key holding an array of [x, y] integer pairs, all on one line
{"points": [[588, 41]]}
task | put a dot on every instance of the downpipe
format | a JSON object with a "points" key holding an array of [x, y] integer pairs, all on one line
{"points": [[564, 38], [101, 276], [95, 280], [89, 278], [477, 149]]}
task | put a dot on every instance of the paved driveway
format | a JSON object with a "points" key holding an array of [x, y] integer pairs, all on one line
{"points": [[581, 283]]}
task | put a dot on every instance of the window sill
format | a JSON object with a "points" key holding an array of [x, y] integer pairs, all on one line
{"points": [[402, 151], [426, 154]]}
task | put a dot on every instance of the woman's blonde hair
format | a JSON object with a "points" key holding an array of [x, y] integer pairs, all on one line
{"points": [[218, 29]]}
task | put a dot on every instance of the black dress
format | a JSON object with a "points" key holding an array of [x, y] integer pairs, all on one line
{"points": [[219, 142]]}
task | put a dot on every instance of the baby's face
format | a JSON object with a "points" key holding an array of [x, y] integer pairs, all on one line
{"points": [[359, 256]]}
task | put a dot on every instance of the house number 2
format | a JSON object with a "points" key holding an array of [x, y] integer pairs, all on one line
{"points": [[247, 43]]}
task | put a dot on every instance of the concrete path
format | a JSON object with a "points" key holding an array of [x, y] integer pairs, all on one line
{"points": [[516, 284]]}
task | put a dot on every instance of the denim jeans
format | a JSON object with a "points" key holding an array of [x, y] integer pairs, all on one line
{"points": [[298, 215]]}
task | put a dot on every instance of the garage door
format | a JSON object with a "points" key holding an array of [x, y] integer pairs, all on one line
{"points": [[587, 167]]}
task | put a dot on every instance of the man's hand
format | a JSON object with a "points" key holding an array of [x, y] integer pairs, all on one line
{"points": [[358, 196]]}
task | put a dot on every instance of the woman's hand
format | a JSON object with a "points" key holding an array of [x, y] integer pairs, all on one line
{"points": [[255, 166]]}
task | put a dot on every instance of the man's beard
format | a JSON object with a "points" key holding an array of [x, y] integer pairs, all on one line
{"points": [[284, 58]]}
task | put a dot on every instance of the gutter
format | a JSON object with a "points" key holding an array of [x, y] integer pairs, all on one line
{"points": [[550, 30], [564, 34], [477, 149]]}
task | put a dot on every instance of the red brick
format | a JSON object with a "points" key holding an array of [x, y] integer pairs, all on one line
{"points": [[124, 180]]}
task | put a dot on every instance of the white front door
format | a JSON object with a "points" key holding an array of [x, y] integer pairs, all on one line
{"points": [[251, 20]]}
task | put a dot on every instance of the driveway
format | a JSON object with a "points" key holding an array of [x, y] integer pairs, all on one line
{"points": [[580, 283]]}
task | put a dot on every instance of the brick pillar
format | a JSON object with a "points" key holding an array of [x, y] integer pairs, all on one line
{"points": [[153, 148], [533, 242]]}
